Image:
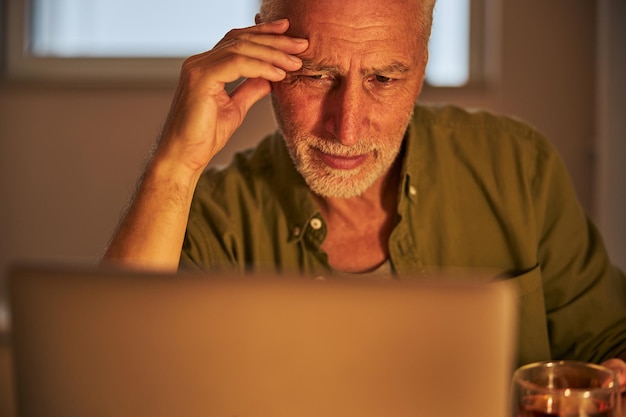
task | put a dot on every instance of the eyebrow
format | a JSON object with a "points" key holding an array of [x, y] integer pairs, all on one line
{"points": [[395, 67], [318, 67]]}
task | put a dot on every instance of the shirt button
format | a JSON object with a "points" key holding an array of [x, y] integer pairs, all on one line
{"points": [[413, 190], [296, 231], [316, 223]]}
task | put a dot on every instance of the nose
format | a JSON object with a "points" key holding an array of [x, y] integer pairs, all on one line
{"points": [[346, 112]]}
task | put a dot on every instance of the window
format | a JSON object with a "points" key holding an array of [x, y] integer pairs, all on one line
{"points": [[133, 28], [448, 61], [147, 40]]}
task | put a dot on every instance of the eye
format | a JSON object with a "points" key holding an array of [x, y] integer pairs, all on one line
{"points": [[316, 80], [382, 79], [318, 77]]}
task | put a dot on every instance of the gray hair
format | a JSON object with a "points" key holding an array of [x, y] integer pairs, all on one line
{"points": [[271, 10]]}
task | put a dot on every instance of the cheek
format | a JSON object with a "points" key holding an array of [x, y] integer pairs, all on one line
{"points": [[293, 105]]}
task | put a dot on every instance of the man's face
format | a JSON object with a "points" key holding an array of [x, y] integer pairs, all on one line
{"points": [[344, 114]]}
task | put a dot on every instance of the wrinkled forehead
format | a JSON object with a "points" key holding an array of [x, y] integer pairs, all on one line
{"points": [[361, 33], [366, 19]]}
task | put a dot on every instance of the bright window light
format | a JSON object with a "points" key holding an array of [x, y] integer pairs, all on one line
{"points": [[449, 44], [133, 28], [179, 28]]}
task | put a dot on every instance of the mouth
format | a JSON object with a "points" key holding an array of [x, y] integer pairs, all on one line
{"points": [[342, 162]]}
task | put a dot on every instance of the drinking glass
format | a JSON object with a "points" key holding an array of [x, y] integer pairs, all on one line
{"points": [[565, 389]]}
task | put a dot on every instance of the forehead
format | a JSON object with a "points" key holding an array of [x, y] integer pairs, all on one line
{"points": [[368, 29], [400, 14], [355, 12]]}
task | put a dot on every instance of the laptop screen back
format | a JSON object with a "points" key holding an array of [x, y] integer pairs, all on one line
{"points": [[90, 343]]}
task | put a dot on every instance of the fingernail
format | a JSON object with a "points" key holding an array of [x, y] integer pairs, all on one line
{"points": [[301, 40]]}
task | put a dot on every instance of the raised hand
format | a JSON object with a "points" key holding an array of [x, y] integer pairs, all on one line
{"points": [[203, 115], [202, 118]]}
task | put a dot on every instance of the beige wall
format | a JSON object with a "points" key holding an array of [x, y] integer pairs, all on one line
{"points": [[70, 155], [610, 192]]}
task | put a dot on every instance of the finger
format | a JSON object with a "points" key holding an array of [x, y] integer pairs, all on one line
{"points": [[251, 49], [249, 92], [270, 34], [245, 58], [234, 67], [236, 52], [279, 26], [283, 43]]}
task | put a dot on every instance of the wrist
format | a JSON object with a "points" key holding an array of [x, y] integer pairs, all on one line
{"points": [[171, 176]]}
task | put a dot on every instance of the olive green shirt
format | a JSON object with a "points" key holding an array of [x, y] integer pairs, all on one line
{"points": [[478, 191]]}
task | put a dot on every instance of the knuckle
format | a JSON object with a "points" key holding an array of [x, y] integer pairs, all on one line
{"points": [[192, 73], [188, 62], [236, 60], [188, 65], [238, 44], [232, 33], [228, 38]]}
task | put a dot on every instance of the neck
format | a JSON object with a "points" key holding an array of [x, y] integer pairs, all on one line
{"points": [[359, 227], [380, 197]]}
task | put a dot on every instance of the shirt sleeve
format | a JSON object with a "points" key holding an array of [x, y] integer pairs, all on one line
{"points": [[210, 243], [585, 295]]}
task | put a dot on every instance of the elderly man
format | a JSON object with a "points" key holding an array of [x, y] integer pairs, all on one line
{"points": [[359, 180]]}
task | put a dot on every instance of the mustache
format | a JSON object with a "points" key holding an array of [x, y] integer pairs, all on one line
{"points": [[334, 148]]}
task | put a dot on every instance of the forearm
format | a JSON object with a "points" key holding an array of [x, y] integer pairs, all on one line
{"points": [[150, 235], [202, 118]]}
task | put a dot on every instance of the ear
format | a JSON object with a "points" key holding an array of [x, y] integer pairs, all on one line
{"points": [[257, 19]]}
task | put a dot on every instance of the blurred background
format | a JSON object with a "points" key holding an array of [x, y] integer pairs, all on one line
{"points": [[75, 130], [73, 145]]}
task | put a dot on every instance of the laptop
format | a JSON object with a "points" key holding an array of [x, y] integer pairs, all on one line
{"points": [[119, 343]]}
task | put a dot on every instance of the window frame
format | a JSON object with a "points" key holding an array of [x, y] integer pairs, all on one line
{"points": [[18, 65], [22, 66]]}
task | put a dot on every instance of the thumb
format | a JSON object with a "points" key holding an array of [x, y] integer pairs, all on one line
{"points": [[249, 92]]}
